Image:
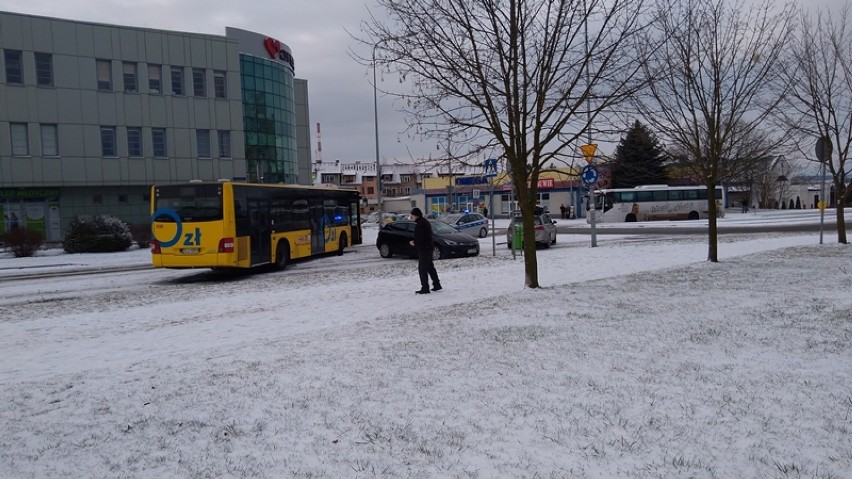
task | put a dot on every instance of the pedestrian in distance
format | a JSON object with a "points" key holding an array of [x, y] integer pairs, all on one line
{"points": [[562, 211], [423, 244]]}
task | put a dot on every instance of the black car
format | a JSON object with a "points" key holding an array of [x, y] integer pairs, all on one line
{"points": [[394, 238]]}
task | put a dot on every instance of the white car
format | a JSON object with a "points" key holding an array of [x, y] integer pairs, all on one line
{"points": [[473, 224]]}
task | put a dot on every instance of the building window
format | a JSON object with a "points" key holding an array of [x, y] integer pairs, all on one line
{"points": [[128, 71], [108, 141], [20, 139], [199, 87], [14, 66], [44, 69], [155, 79], [134, 142], [224, 144], [49, 140], [104, 71], [177, 80], [202, 140], [158, 139], [219, 85], [370, 190], [97, 199], [122, 199]]}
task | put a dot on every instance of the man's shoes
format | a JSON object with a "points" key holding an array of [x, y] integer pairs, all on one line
{"points": [[422, 291], [437, 287]]}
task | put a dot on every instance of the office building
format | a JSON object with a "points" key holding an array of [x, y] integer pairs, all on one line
{"points": [[91, 115]]}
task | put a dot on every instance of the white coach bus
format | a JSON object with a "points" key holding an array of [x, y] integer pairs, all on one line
{"points": [[654, 203]]}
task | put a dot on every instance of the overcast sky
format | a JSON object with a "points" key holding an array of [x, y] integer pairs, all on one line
{"points": [[341, 92]]}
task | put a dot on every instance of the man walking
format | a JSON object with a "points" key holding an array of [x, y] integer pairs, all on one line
{"points": [[423, 244]]}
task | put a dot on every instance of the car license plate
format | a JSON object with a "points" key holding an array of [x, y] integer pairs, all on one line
{"points": [[471, 251], [190, 250]]}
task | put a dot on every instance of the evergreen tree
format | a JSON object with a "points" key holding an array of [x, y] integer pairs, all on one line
{"points": [[639, 160]]}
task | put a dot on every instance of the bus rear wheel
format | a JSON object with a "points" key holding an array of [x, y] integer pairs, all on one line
{"points": [[630, 218], [282, 255], [341, 245], [693, 215]]}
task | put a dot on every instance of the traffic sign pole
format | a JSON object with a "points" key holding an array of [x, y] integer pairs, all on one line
{"points": [[589, 175]]}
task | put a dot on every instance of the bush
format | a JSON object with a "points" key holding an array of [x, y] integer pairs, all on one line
{"points": [[22, 242], [97, 234], [141, 234]]}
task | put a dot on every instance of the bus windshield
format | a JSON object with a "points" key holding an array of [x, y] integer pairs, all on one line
{"points": [[189, 202]]}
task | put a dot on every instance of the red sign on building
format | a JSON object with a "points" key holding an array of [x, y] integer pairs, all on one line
{"points": [[545, 183]]}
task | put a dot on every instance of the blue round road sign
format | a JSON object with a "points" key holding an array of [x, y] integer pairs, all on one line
{"points": [[589, 174]]}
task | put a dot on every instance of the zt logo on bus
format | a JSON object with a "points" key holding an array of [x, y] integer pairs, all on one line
{"points": [[192, 239]]}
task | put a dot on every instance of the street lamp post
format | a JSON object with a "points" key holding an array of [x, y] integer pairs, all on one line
{"points": [[376, 120]]}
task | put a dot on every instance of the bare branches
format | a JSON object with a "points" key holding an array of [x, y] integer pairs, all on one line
{"points": [[709, 92], [819, 102], [527, 77]]}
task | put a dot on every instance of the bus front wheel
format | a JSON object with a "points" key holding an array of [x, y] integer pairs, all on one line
{"points": [[630, 218], [282, 255], [693, 215]]}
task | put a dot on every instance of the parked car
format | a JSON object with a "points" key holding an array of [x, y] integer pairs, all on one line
{"points": [[473, 224], [394, 239], [378, 218], [545, 228]]}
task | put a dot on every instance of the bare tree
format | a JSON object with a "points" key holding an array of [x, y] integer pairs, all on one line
{"points": [[819, 103], [525, 77], [709, 86]]}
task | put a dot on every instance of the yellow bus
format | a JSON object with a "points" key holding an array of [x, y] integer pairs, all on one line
{"points": [[227, 224]]}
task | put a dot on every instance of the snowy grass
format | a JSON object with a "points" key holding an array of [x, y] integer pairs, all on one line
{"points": [[736, 369]]}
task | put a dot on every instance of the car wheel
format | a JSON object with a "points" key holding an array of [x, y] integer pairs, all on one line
{"points": [[282, 255], [341, 245], [483, 232], [437, 254], [385, 250], [553, 241]]}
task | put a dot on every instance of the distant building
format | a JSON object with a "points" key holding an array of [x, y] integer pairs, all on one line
{"points": [[439, 188], [91, 115]]}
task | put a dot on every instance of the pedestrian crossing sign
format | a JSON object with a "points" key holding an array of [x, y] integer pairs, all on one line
{"points": [[490, 167]]}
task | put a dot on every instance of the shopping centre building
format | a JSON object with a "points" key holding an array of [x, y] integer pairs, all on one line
{"points": [[92, 115]]}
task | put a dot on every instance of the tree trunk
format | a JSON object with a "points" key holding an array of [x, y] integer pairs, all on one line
{"points": [[712, 230], [530, 259], [841, 223]]}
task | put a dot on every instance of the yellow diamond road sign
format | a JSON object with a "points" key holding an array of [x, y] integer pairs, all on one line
{"points": [[589, 151]]}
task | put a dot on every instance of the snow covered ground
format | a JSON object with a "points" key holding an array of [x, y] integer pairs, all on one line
{"points": [[636, 359]]}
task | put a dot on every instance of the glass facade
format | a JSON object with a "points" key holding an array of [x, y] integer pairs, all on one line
{"points": [[269, 120]]}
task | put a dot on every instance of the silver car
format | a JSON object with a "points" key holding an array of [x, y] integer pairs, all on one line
{"points": [[545, 228]]}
